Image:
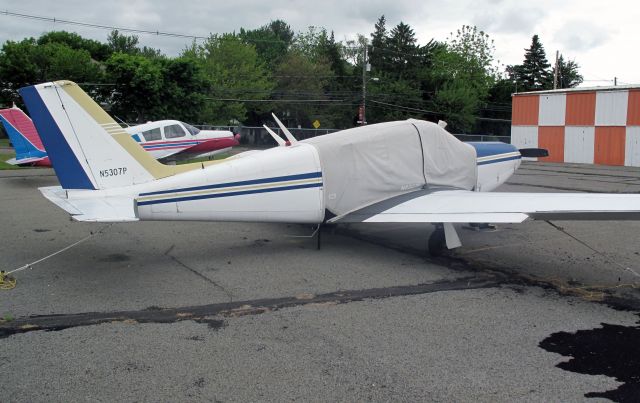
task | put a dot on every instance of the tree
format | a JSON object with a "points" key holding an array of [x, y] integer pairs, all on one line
{"points": [[378, 51], [26, 63], [118, 42], [533, 74], [463, 74], [392, 99], [458, 103], [403, 51], [235, 73], [98, 51], [271, 41], [568, 75], [184, 86], [299, 78], [138, 87]]}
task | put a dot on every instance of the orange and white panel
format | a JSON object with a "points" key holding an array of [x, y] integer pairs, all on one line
{"points": [[611, 108], [578, 144], [632, 147], [552, 110]]}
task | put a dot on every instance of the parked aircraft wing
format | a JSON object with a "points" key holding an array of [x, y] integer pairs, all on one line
{"points": [[463, 206]]}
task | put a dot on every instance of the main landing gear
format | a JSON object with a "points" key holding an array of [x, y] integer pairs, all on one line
{"points": [[442, 238], [437, 242]]}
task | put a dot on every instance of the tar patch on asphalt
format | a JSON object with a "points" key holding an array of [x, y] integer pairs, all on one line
{"points": [[610, 350]]}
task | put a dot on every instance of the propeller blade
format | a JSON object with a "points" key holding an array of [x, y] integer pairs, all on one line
{"points": [[534, 152]]}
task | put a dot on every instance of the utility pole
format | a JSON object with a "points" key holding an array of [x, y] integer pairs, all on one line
{"points": [[363, 117], [555, 73], [615, 80]]}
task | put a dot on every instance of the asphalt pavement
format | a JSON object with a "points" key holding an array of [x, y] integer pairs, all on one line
{"points": [[254, 312]]}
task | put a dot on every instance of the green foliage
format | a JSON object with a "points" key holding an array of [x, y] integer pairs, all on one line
{"points": [[533, 74], [121, 43], [234, 71], [26, 63], [458, 103], [98, 51], [377, 56], [389, 97], [138, 87], [462, 76], [155, 88], [568, 75], [299, 77], [271, 41], [233, 78]]}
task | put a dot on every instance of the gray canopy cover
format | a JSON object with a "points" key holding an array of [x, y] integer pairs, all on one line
{"points": [[369, 164]]}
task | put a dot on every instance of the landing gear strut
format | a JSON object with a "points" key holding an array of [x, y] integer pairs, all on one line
{"points": [[437, 242]]}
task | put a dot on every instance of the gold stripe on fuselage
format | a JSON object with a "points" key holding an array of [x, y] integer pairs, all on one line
{"points": [[228, 189]]}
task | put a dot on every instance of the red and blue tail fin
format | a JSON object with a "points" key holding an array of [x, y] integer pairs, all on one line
{"points": [[23, 136]]}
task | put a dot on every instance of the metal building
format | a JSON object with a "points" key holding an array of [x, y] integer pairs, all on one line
{"points": [[598, 125]]}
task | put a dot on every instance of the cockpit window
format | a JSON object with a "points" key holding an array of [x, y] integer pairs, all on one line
{"points": [[173, 131], [192, 130], [152, 135]]}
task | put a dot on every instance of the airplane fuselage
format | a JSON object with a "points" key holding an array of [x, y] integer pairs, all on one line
{"points": [[290, 187]]}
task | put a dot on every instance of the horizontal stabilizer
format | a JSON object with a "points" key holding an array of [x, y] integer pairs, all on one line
{"points": [[25, 161], [534, 152], [462, 206], [92, 209]]}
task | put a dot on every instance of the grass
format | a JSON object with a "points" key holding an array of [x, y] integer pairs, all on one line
{"points": [[5, 156], [4, 143]]}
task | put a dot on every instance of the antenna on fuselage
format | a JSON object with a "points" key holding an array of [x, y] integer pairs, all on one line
{"points": [[287, 133], [277, 138]]}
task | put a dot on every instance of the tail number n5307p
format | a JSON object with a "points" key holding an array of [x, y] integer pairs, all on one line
{"points": [[105, 173]]}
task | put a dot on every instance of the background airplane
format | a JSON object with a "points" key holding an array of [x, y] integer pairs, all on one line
{"points": [[24, 138], [175, 140], [406, 171], [167, 140]]}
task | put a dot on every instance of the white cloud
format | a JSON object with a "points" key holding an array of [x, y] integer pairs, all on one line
{"points": [[599, 37]]}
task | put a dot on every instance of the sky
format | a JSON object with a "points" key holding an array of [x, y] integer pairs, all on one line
{"points": [[602, 37]]}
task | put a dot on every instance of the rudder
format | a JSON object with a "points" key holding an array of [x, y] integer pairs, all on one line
{"points": [[88, 149]]}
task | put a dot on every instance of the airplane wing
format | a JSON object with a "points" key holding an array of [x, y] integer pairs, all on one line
{"points": [[198, 148], [463, 206]]}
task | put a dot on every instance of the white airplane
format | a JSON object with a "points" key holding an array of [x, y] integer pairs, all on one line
{"points": [[405, 171], [172, 140], [167, 140]]}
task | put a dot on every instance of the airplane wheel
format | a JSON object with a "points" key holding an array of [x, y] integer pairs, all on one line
{"points": [[437, 242]]}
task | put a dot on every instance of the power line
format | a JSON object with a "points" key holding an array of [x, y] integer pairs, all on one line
{"points": [[100, 26]]}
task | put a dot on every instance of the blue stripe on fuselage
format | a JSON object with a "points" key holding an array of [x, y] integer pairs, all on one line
{"points": [[228, 194], [275, 179], [499, 160]]}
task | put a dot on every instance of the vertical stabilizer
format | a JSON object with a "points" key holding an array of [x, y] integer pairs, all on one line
{"points": [[87, 148], [23, 134]]}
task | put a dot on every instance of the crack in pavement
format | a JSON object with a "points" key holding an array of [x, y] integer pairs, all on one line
{"points": [[197, 273], [511, 276], [202, 313]]}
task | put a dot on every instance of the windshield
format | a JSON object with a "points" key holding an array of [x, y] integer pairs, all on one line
{"points": [[192, 130]]}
